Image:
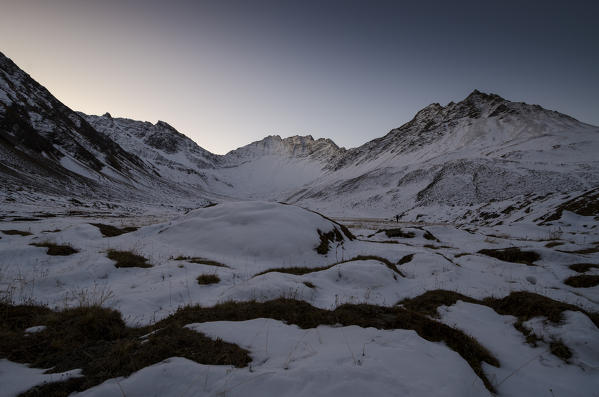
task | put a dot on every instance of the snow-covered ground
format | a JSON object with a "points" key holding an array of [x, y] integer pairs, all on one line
{"points": [[481, 174], [323, 361], [240, 241]]}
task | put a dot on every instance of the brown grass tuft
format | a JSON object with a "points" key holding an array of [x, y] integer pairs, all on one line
{"points": [[397, 232], [98, 341], [582, 281], [306, 316], [205, 279], [297, 270], [112, 231], [522, 305], [56, 249], [13, 232], [128, 259], [326, 238], [512, 254], [201, 261], [583, 267]]}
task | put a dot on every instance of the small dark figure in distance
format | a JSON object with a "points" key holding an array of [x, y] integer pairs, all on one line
{"points": [[397, 218]]}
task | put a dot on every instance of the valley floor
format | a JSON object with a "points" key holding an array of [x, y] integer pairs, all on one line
{"points": [[387, 308]]}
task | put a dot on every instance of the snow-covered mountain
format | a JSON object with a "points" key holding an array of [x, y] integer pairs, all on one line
{"points": [[41, 136], [159, 143], [322, 150], [460, 159], [274, 167], [162, 149], [479, 160], [48, 149], [262, 169]]}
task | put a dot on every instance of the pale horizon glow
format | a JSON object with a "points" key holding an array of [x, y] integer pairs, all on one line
{"points": [[228, 73]]}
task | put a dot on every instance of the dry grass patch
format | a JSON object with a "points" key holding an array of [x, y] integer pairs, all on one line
{"points": [[583, 251], [397, 232], [298, 270], [526, 305], [558, 348], [343, 228], [405, 259], [13, 232], [201, 261], [582, 281], [205, 279], [522, 305], [326, 238], [512, 254], [552, 244], [309, 284], [112, 231], [382, 241], [128, 259], [583, 267], [429, 236], [428, 302], [461, 254], [306, 316], [56, 249], [386, 261], [98, 341]]}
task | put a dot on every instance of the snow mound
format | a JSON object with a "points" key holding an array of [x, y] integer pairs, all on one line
{"points": [[257, 234]]}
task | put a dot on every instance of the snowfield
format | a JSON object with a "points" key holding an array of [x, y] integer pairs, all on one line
{"points": [[457, 255], [264, 251], [252, 235], [324, 361]]}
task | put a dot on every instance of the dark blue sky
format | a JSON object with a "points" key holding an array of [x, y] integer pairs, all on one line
{"points": [[230, 72]]}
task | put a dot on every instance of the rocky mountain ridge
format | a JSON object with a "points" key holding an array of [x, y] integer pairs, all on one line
{"points": [[457, 158]]}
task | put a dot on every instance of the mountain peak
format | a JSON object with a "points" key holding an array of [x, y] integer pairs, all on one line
{"points": [[479, 96], [296, 146], [432, 108], [475, 105], [164, 124], [107, 115]]}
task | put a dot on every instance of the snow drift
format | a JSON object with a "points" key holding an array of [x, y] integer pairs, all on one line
{"points": [[250, 233]]}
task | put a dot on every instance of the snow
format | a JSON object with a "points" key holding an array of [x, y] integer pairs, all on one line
{"points": [[448, 164], [524, 371], [17, 378], [37, 328], [252, 234], [250, 237], [323, 361], [75, 166], [269, 176], [474, 182], [577, 332]]}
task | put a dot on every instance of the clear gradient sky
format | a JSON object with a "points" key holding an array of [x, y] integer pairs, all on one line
{"points": [[227, 73]]}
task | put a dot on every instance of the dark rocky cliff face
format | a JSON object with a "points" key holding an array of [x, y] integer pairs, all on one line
{"points": [[35, 122]]}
